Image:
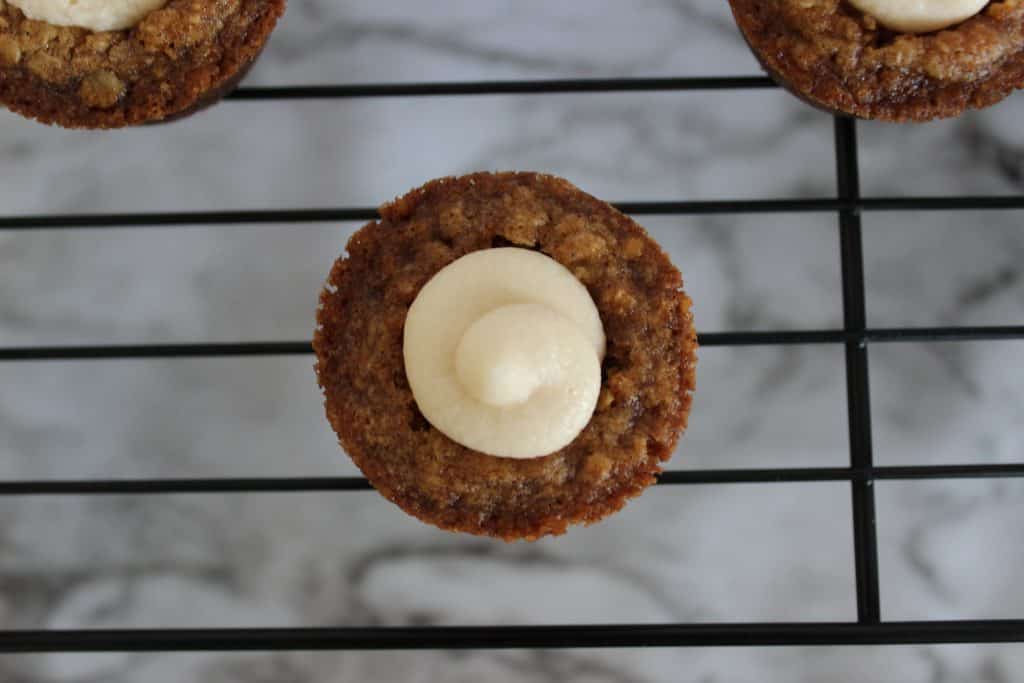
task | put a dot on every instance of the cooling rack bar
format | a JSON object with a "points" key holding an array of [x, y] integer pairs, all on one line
{"points": [[514, 637], [858, 394], [708, 339], [879, 335], [128, 352], [949, 334], [179, 486], [315, 484], [818, 474], [528, 87], [933, 203], [636, 208], [186, 219]]}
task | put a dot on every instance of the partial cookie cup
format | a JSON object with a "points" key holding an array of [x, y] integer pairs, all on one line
{"points": [[839, 59], [177, 60], [648, 371]]}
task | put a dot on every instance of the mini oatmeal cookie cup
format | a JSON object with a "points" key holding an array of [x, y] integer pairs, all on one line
{"points": [[648, 374], [177, 60], [840, 59]]}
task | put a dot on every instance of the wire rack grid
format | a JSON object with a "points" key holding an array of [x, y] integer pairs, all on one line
{"points": [[855, 336]]}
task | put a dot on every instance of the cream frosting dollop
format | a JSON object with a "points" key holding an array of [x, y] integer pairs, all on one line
{"points": [[95, 15], [920, 16], [503, 351]]}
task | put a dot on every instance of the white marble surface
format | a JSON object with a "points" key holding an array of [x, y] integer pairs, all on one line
{"points": [[759, 553]]}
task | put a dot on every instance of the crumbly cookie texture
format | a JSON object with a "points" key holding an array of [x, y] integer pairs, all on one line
{"points": [[648, 372], [841, 59], [170, 61]]}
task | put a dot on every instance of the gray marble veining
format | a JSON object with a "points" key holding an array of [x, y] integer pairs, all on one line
{"points": [[948, 549]]}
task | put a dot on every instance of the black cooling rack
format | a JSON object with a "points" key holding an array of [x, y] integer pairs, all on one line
{"points": [[855, 336]]}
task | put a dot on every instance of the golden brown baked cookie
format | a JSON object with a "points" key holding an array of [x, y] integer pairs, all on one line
{"points": [[648, 373], [840, 59], [176, 60]]}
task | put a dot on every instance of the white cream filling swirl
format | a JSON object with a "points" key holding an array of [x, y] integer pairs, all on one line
{"points": [[920, 16], [503, 351], [95, 15]]}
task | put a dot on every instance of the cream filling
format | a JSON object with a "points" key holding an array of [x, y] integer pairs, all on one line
{"points": [[920, 16], [503, 351], [95, 15]]}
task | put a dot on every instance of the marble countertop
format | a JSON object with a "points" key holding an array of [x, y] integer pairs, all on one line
{"points": [[948, 549]]}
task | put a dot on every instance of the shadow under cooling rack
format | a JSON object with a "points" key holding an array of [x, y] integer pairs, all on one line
{"points": [[855, 336]]}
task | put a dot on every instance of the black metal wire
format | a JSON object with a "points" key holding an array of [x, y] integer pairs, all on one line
{"points": [[737, 207], [107, 487], [139, 351], [478, 88], [707, 339], [508, 637], [855, 336], [858, 396]]}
